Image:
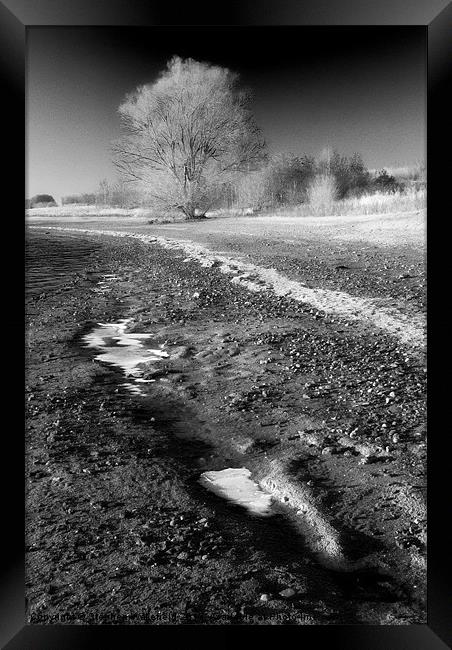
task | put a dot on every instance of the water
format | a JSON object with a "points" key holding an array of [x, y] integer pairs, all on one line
{"points": [[52, 260]]}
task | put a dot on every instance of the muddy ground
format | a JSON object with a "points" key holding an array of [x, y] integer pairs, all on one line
{"points": [[328, 417]]}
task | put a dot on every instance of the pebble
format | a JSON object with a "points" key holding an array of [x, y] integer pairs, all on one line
{"points": [[327, 450], [288, 593]]}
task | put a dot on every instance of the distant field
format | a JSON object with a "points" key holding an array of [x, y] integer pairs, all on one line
{"points": [[87, 210], [410, 200], [382, 229]]}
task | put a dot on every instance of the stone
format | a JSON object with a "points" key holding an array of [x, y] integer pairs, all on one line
{"points": [[287, 593]]}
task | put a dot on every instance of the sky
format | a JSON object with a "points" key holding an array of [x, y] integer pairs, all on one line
{"points": [[353, 89]]}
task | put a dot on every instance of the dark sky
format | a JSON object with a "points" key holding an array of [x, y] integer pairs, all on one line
{"points": [[354, 88]]}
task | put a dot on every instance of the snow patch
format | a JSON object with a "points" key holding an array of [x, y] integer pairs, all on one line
{"points": [[235, 485]]}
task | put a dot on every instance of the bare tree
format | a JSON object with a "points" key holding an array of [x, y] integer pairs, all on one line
{"points": [[187, 134], [252, 189], [103, 192]]}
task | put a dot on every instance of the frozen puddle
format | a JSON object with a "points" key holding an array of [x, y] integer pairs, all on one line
{"points": [[235, 485], [124, 349]]}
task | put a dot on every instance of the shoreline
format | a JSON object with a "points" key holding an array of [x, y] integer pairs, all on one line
{"points": [[214, 353], [409, 329]]}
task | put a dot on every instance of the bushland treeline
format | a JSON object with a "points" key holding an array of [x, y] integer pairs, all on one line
{"points": [[286, 180]]}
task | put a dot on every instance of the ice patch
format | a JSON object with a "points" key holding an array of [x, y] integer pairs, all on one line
{"points": [[132, 388], [235, 485], [122, 349]]}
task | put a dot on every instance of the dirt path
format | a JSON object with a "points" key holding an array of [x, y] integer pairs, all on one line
{"points": [[329, 420]]}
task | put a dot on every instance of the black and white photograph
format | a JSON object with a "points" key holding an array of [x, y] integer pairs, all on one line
{"points": [[226, 325]]}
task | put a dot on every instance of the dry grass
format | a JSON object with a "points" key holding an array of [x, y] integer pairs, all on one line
{"points": [[377, 203], [75, 210], [410, 200], [322, 193], [90, 210]]}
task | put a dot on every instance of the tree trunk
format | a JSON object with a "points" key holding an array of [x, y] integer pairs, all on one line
{"points": [[193, 213]]}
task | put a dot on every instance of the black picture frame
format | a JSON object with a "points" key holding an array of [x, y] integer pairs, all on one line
{"points": [[16, 17]]}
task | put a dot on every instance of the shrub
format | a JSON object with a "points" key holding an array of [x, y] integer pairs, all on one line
{"points": [[288, 177], [79, 199], [41, 201], [322, 192], [386, 183], [251, 190], [351, 175], [283, 181], [45, 204], [410, 200]]}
